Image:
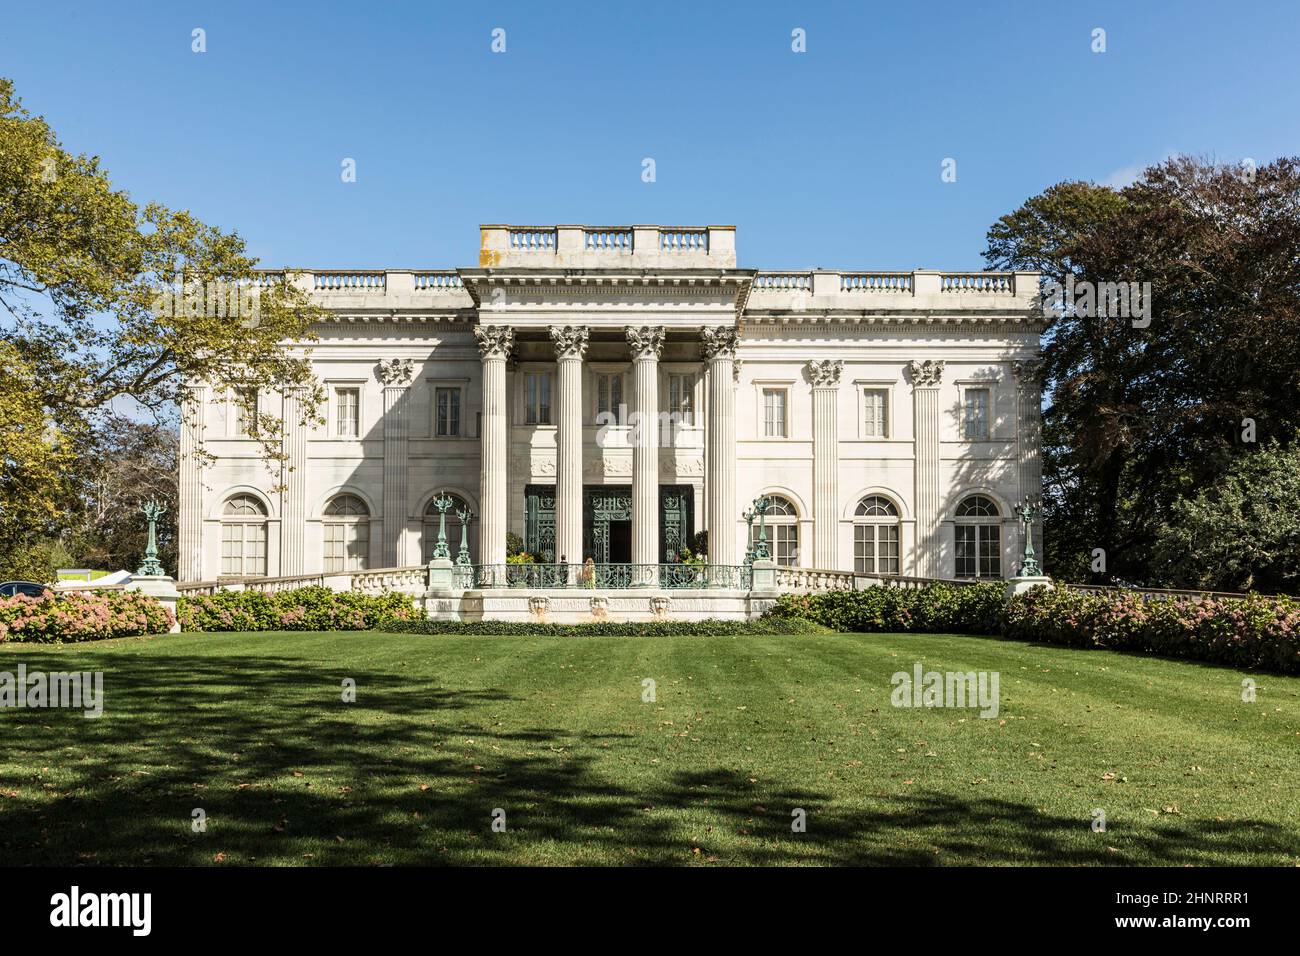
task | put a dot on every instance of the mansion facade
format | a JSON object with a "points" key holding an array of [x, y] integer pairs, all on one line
{"points": [[608, 393]]}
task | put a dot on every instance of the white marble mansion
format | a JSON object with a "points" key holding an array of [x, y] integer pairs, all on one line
{"points": [[607, 393]]}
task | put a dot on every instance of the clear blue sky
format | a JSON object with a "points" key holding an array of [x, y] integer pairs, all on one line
{"points": [[828, 158]]}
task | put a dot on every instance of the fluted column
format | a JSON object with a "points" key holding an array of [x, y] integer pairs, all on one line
{"points": [[1029, 391], [719, 346], [570, 344], [190, 530], [926, 378], [647, 343], [825, 377], [293, 483], [494, 345], [395, 376]]}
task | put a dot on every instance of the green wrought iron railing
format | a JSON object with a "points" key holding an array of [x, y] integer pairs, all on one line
{"points": [[594, 576]]}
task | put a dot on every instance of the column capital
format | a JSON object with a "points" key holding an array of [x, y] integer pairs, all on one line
{"points": [[825, 374], [1028, 374], [927, 374], [395, 372], [719, 341], [570, 341], [494, 341], [647, 341]]}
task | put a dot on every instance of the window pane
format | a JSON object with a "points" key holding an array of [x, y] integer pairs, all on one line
{"points": [[977, 413], [875, 404], [965, 550]]}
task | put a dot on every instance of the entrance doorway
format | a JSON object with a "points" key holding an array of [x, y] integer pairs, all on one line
{"points": [[620, 542]]}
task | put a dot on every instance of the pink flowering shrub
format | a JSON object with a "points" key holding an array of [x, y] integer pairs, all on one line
{"points": [[302, 609], [81, 616], [1252, 632]]}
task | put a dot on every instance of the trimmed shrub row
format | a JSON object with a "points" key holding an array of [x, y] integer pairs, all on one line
{"points": [[1254, 632], [766, 625], [939, 608], [301, 609], [81, 616]]}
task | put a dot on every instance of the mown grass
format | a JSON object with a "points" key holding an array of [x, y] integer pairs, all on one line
{"points": [[251, 728]]}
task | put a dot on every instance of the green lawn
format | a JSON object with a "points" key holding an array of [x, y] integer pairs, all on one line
{"points": [[251, 728]]}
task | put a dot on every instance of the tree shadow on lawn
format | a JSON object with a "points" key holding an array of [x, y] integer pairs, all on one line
{"points": [[287, 773]]}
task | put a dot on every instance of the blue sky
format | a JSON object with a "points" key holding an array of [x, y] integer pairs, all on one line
{"points": [[828, 158]]}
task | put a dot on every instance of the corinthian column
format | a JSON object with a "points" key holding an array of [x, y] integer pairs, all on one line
{"points": [[825, 377], [570, 344], [719, 346], [190, 531], [494, 345], [647, 343], [926, 377], [395, 376], [293, 496]]}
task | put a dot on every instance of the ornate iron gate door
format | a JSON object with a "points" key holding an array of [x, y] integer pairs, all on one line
{"points": [[602, 504]]}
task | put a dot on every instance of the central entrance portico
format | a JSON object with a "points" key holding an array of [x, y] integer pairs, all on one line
{"points": [[607, 516]]}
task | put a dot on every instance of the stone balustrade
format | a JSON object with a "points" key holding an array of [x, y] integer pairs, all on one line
{"points": [[820, 291]]}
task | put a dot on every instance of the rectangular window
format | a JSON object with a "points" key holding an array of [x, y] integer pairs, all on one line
{"points": [[774, 419], [246, 409], [609, 399], [681, 398], [976, 414], [875, 549], [875, 405], [537, 398], [447, 403], [347, 546], [347, 412], [978, 551]]}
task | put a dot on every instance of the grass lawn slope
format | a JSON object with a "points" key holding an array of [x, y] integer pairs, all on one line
{"points": [[252, 729]]}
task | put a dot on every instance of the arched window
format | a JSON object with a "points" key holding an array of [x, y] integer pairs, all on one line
{"points": [[875, 536], [782, 522], [347, 534], [243, 538], [453, 527], [978, 538]]}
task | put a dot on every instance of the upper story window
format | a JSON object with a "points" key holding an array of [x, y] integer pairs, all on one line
{"points": [[537, 398], [775, 401], [681, 397], [610, 407], [347, 412], [446, 401], [975, 414], [875, 413], [245, 403]]}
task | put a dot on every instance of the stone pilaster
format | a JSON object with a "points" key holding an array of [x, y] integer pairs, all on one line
{"points": [[190, 530], [395, 377], [293, 482], [825, 378], [1029, 395], [926, 377], [719, 347], [494, 345], [570, 344], [647, 343]]}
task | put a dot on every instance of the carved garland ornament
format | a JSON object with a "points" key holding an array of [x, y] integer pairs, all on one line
{"points": [[927, 373], [646, 341], [494, 340], [825, 374]]}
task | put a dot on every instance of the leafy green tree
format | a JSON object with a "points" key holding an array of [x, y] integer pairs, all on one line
{"points": [[1139, 416], [1243, 532]]}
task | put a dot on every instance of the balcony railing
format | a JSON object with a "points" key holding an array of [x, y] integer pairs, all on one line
{"points": [[597, 576]]}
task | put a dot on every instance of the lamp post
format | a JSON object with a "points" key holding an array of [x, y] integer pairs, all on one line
{"points": [[465, 515], [749, 517], [443, 503], [1029, 563], [152, 567], [761, 552]]}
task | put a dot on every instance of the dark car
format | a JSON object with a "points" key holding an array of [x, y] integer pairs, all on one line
{"points": [[30, 588]]}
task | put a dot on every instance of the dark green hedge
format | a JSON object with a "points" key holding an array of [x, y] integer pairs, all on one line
{"points": [[766, 625], [301, 609], [936, 608]]}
